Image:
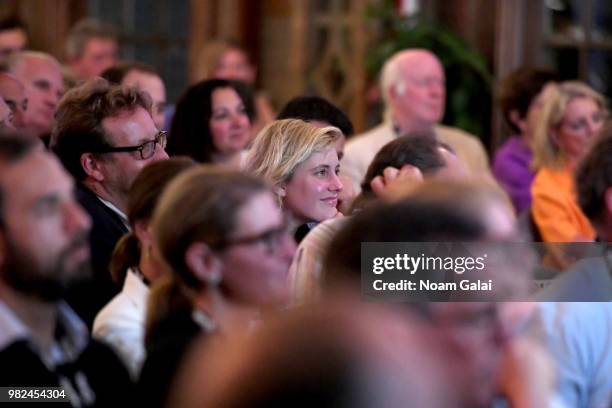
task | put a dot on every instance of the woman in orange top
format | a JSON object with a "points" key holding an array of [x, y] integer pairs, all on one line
{"points": [[571, 116]]}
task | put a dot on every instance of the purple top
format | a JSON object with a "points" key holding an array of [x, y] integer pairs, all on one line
{"points": [[511, 169]]}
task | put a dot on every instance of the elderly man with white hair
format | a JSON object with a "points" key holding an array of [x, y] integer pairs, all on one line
{"points": [[413, 87]]}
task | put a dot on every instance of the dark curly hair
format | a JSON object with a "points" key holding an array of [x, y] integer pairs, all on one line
{"points": [[190, 131], [518, 89], [310, 108]]}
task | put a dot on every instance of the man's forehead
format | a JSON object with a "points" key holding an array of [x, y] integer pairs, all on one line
{"points": [[37, 66], [421, 64], [93, 43], [144, 80], [136, 75], [38, 170], [17, 31], [129, 122], [423, 72]]}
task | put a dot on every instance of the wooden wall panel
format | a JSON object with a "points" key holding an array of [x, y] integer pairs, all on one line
{"points": [[48, 21]]}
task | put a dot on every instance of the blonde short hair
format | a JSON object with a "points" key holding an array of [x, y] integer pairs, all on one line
{"points": [[285, 144], [556, 97]]}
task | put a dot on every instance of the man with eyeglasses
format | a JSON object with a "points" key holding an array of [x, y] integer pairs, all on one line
{"points": [[104, 136]]}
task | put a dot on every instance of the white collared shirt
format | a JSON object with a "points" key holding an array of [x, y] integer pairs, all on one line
{"points": [[120, 324]]}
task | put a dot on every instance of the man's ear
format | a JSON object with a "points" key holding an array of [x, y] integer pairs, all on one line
{"points": [[203, 263], [396, 94], [91, 166]]}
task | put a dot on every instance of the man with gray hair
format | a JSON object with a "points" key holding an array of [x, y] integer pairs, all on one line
{"points": [[413, 88], [41, 76], [91, 47]]}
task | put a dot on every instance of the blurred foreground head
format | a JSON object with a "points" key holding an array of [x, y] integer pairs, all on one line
{"points": [[226, 242], [436, 211], [477, 332], [335, 355]]}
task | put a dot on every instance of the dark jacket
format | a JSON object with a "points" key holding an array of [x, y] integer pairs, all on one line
{"points": [[89, 297], [85, 368], [108, 382]]}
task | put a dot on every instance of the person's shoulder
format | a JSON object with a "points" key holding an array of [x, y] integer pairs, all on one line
{"points": [[98, 356], [458, 132], [510, 149], [577, 319], [368, 137], [98, 350], [551, 179], [86, 197], [92, 204], [511, 162], [108, 376], [20, 352], [588, 280], [324, 232], [459, 135], [543, 177], [26, 367], [116, 314]]}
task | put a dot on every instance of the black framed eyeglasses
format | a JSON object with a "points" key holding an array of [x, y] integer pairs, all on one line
{"points": [[146, 150], [271, 239]]}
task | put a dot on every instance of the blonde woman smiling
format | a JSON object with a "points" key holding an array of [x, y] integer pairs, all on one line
{"points": [[301, 163]]}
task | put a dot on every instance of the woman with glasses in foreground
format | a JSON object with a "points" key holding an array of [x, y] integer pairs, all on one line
{"points": [[228, 249], [570, 119]]}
